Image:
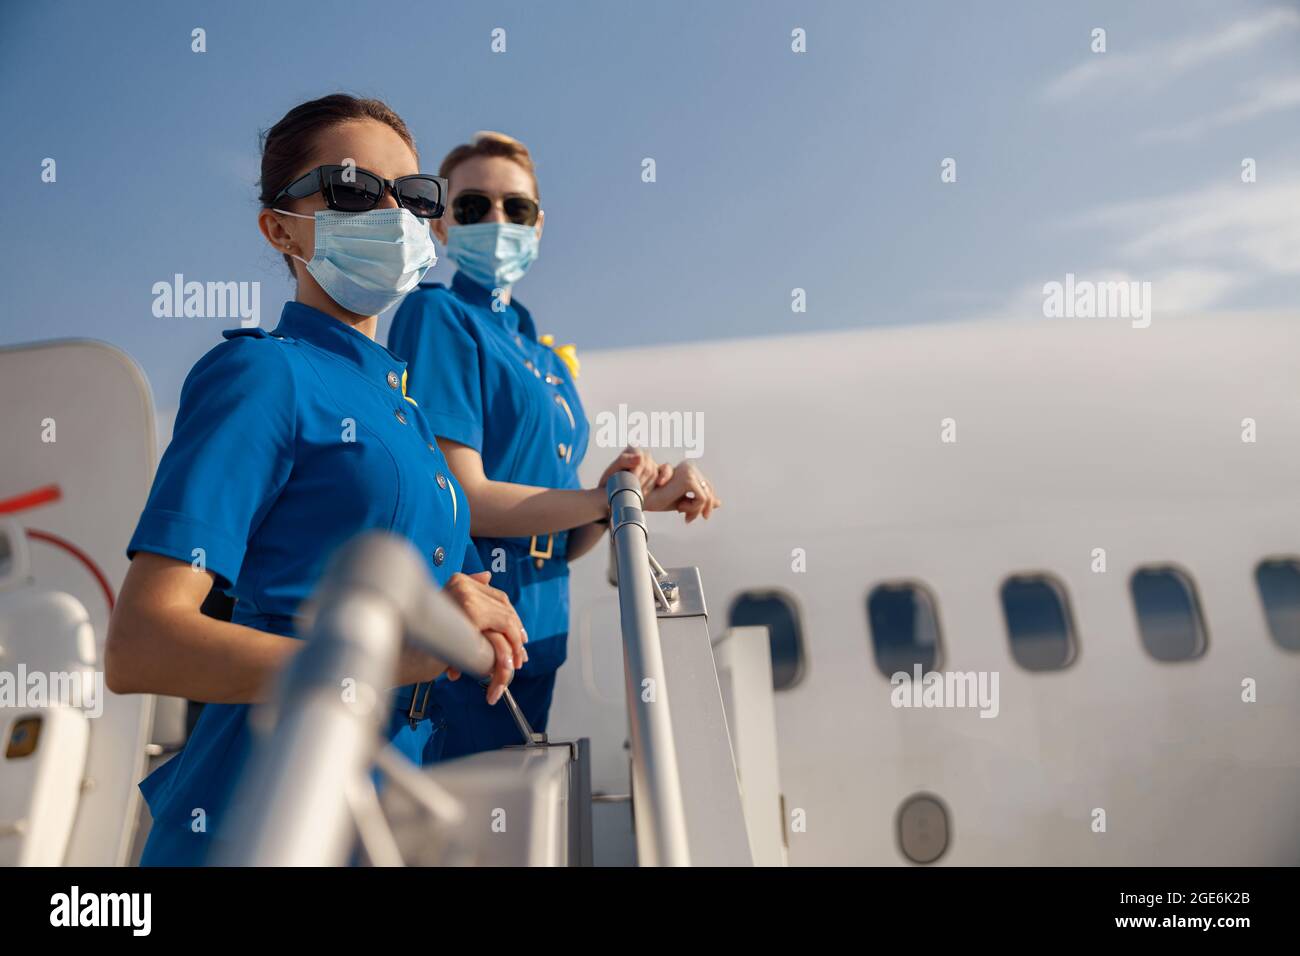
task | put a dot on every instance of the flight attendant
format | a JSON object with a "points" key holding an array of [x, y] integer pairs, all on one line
{"points": [[506, 410], [286, 445]]}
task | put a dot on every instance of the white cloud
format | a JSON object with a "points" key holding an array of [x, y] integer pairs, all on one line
{"points": [[1198, 249], [1272, 97], [1183, 291], [1251, 228], [1163, 62], [1173, 291]]}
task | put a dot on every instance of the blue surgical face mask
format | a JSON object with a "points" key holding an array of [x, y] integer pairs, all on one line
{"points": [[366, 261], [495, 255]]}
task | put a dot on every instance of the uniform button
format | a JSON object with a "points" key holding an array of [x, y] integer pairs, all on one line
{"points": [[400, 417], [561, 449], [393, 380], [442, 480], [430, 444], [552, 380], [519, 340], [528, 363], [539, 563], [439, 556]]}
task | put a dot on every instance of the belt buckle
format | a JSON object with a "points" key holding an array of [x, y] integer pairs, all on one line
{"points": [[412, 714], [533, 552]]}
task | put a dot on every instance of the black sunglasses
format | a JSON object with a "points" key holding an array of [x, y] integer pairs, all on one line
{"points": [[353, 189], [470, 207]]}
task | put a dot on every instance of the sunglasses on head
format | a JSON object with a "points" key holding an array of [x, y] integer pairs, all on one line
{"points": [[353, 189], [470, 207]]}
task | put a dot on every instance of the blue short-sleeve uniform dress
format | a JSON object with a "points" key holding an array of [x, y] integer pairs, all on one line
{"points": [[286, 445], [483, 380]]}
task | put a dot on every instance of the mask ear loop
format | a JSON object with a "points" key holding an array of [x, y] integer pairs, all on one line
{"points": [[296, 215]]}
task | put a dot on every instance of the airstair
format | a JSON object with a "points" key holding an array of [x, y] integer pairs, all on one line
{"points": [[310, 795]]}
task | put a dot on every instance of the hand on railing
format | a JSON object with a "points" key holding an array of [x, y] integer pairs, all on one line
{"points": [[435, 622], [648, 473], [490, 611], [686, 491]]}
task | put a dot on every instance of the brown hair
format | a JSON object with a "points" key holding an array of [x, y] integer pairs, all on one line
{"points": [[488, 143], [290, 143]]}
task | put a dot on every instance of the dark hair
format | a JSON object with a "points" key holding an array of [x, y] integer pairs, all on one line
{"points": [[289, 144]]}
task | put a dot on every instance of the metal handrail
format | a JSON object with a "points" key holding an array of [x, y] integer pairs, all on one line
{"points": [[658, 803]]}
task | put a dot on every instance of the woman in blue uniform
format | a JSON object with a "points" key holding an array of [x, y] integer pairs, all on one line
{"points": [[286, 445], [508, 417]]}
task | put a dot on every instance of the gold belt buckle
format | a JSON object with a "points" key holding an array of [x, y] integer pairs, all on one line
{"points": [[550, 544]]}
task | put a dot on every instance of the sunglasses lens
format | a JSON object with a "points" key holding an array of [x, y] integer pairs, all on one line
{"points": [[354, 190], [423, 197], [521, 210], [469, 208]]}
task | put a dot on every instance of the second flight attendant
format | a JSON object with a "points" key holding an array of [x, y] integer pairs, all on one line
{"points": [[506, 410]]}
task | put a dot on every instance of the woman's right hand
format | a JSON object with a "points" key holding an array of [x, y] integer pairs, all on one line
{"points": [[649, 473], [491, 613]]}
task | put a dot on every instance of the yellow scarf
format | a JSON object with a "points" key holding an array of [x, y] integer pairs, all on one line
{"points": [[404, 395], [567, 353]]}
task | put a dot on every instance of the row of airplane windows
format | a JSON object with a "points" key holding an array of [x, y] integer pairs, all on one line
{"points": [[904, 623]]}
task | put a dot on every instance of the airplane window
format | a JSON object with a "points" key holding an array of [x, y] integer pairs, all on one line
{"points": [[778, 612], [1038, 622], [904, 628], [1169, 617], [1278, 580]]}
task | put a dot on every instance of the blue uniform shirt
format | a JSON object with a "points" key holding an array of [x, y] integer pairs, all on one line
{"points": [[484, 380], [286, 445]]}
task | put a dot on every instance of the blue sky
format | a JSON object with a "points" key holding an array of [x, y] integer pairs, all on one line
{"points": [[775, 170]]}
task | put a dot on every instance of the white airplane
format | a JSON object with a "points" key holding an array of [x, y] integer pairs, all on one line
{"points": [[1074, 440], [1088, 532]]}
